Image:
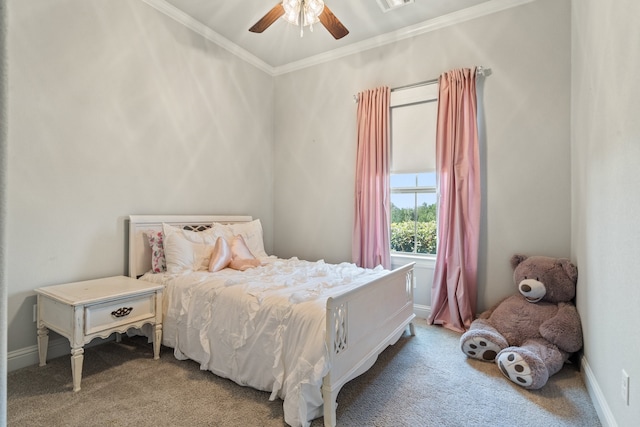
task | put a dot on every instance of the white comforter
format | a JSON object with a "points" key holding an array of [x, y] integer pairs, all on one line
{"points": [[264, 327]]}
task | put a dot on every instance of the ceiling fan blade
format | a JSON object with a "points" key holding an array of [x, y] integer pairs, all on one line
{"points": [[268, 19], [332, 24]]}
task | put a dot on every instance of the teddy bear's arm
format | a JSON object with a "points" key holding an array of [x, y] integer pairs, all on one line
{"points": [[487, 313], [564, 329]]}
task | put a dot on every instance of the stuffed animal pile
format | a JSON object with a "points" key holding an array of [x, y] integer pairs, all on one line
{"points": [[530, 335]]}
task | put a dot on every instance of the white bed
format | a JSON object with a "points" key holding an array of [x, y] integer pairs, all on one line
{"points": [[298, 329]]}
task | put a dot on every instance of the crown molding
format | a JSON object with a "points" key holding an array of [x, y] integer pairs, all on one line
{"points": [[443, 21], [483, 9], [206, 32]]}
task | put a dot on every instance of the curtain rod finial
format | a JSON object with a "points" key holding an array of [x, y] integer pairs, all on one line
{"points": [[482, 71]]}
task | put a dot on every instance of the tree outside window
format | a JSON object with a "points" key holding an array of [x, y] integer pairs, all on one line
{"points": [[414, 213]]}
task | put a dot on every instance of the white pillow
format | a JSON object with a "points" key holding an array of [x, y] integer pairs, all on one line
{"points": [[250, 231], [187, 250], [181, 254]]}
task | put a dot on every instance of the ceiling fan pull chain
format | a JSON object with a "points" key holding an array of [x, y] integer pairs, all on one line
{"points": [[301, 18]]}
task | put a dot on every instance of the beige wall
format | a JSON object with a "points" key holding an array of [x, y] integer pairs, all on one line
{"points": [[525, 147], [606, 197], [3, 210], [116, 109]]}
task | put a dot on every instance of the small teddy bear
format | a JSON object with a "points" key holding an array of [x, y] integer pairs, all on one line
{"points": [[532, 334]]}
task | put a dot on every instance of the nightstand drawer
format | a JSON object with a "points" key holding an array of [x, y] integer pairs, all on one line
{"points": [[120, 312]]}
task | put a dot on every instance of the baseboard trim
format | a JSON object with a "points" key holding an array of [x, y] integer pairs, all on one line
{"points": [[597, 397], [28, 356], [58, 347], [422, 311]]}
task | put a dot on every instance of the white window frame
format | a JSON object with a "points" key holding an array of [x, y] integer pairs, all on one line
{"points": [[407, 97]]}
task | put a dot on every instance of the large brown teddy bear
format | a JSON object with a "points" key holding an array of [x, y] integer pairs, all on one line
{"points": [[530, 335]]}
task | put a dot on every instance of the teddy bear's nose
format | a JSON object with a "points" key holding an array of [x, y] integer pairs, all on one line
{"points": [[525, 288]]}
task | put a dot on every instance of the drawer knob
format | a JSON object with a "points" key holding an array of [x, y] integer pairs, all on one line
{"points": [[121, 312]]}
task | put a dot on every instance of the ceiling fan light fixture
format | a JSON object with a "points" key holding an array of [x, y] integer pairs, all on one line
{"points": [[302, 12]]}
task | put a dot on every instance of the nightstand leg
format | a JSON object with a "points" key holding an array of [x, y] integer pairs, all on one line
{"points": [[157, 341], [77, 356], [43, 344]]}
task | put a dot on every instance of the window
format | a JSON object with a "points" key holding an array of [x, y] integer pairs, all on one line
{"points": [[413, 213], [413, 175]]}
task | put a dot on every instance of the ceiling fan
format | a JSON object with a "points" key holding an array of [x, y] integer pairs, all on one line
{"points": [[302, 13]]}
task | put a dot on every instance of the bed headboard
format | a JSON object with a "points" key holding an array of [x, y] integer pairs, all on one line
{"points": [[139, 250]]}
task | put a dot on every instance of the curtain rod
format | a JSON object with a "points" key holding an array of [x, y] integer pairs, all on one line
{"points": [[409, 86], [480, 71]]}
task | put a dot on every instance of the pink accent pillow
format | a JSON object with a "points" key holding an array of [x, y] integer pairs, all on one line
{"points": [[239, 248], [221, 255], [242, 258], [243, 264], [158, 261]]}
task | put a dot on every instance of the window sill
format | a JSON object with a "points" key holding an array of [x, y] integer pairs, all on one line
{"points": [[428, 261]]}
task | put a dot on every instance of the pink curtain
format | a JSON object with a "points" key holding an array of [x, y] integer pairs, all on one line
{"points": [[371, 226], [454, 290]]}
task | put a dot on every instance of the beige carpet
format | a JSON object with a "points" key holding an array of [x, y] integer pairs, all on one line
{"points": [[424, 380]]}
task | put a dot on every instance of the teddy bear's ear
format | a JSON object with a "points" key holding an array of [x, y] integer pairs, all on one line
{"points": [[517, 259], [569, 268]]}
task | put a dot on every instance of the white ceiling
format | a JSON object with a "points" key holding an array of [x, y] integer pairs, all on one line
{"points": [[280, 48]]}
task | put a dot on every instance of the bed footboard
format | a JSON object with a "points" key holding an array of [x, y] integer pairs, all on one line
{"points": [[360, 325]]}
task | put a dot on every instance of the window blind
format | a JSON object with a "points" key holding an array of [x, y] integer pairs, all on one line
{"points": [[414, 113]]}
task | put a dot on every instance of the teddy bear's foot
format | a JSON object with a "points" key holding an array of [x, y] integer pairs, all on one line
{"points": [[526, 371], [514, 367], [478, 347]]}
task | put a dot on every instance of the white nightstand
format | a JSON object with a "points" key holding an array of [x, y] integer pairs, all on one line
{"points": [[82, 311]]}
